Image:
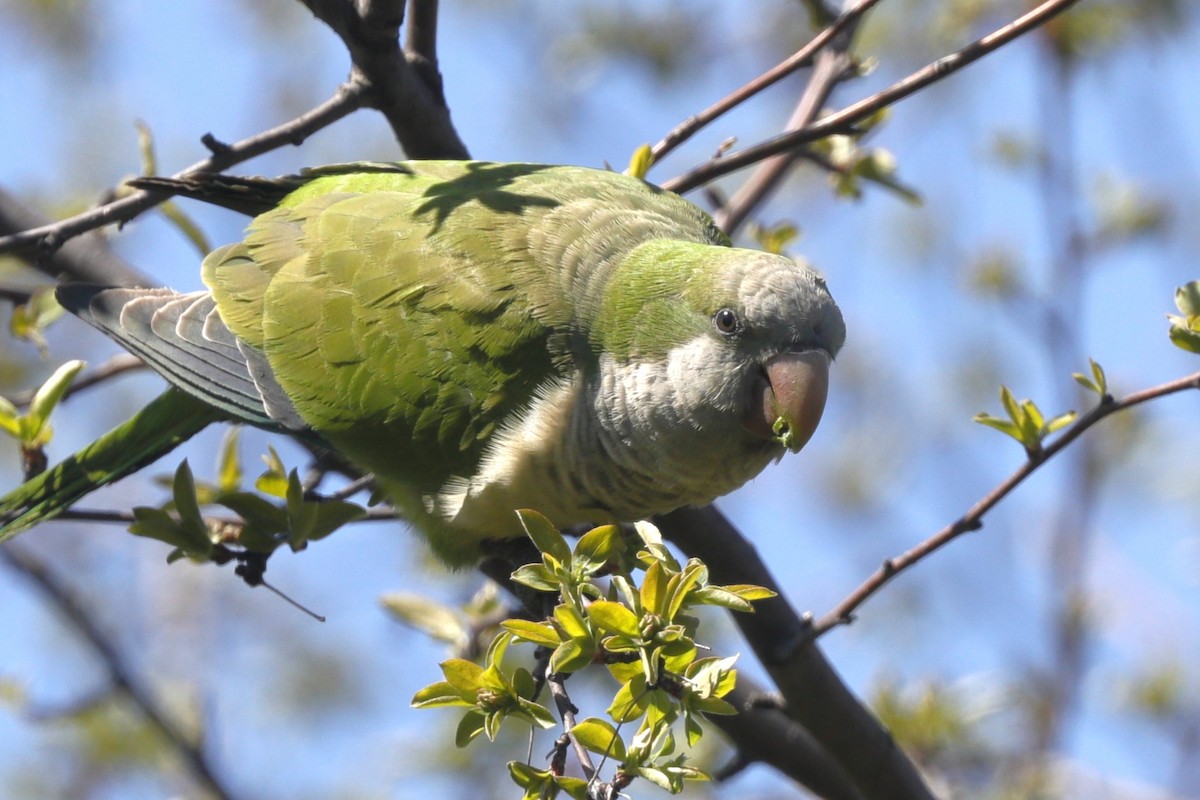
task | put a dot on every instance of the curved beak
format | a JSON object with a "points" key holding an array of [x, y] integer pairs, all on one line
{"points": [[787, 406]]}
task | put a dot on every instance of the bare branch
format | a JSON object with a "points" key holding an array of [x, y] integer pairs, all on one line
{"points": [[814, 694], [845, 119], [120, 674], [798, 60], [830, 66], [348, 98], [768, 736], [85, 258], [408, 92], [420, 36], [973, 519], [566, 712]]}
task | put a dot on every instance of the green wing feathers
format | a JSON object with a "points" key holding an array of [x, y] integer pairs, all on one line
{"points": [[401, 313], [160, 427], [408, 309]]}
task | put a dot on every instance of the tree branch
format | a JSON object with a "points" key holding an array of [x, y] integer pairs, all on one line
{"points": [[830, 65], [814, 694], [85, 258], [407, 91], [566, 712], [120, 674], [845, 119], [843, 613], [798, 60], [420, 35], [34, 242], [766, 735]]}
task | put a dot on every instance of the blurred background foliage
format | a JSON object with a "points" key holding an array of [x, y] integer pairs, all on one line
{"points": [[1052, 654]]}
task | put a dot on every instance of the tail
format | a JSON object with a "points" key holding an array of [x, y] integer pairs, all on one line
{"points": [[169, 420]]}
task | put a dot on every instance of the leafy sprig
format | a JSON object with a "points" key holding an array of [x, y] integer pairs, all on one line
{"points": [[642, 633]]}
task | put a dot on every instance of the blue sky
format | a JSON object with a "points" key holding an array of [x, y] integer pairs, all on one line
{"points": [[970, 616]]}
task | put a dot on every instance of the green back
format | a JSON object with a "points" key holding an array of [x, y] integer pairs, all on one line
{"points": [[410, 309]]}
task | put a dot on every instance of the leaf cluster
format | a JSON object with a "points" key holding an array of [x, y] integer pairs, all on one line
{"points": [[1025, 422], [1185, 326], [263, 525], [641, 634], [32, 429]]}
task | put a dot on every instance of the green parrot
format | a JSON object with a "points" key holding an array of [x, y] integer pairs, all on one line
{"points": [[481, 337]]}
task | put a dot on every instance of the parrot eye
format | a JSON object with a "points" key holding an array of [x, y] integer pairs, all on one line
{"points": [[726, 321]]}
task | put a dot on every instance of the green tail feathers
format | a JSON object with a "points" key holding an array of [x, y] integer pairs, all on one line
{"points": [[169, 420]]}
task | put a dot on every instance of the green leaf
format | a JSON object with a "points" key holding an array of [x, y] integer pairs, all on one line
{"points": [[658, 778], [576, 788], [1187, 299], [330, 516], [1004, 426], [1011, 407], [712, 677], [229, 466], [155, 523], [470, 726], [191, 523], [749, 591], [596, 548], [537, 713], [436, 619], [630, 701], [572, 655], [537, 632], [640, 162], [682, 584], [255, 510], [614, 618], [462, 674], [719, 596], [1059, 422], [1185, 338], [9, 418], [530, 779], [544, 535], [571, 622], [274, 481], [537, 577], [653, 593], [302, 516], [45, 400], [1101, 380], [441, 695], [600, 737], [777, 237], [32, 317], [491, 724]]}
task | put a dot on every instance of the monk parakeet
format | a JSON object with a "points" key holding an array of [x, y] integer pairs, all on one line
{"points": [[481, 337]]}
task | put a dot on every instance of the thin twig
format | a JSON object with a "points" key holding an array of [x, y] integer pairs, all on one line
{"points": [[843, 613], [120, 674], [102, 515], [117, 365], [830, 65], [354, 487], [566, 711], [16, 296], [347, 99], [845, 119], [84, 258], [798, 60]]}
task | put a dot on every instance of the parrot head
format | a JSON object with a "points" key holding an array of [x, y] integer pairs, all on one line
{"points": [[718, 357]]}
